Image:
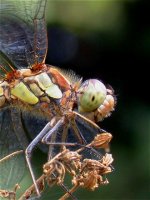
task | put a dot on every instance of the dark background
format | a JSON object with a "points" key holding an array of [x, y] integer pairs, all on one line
{"points": [[118, 54], [110, 41]]}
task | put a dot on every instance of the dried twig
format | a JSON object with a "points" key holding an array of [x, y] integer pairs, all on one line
{"points": [[11, 155]]}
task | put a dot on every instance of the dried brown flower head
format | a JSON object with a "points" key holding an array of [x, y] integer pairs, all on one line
{"points": [[92, 171], [84, 172]]}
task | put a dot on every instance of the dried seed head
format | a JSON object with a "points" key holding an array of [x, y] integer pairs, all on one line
{"points": [[69, 156], [54, 172], [102, 140], [87, 180], [71, 159], [107, 159], [92, 171]]}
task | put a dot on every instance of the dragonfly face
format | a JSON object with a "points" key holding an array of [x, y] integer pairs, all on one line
{"points": [[92, 94], [27, 84]]}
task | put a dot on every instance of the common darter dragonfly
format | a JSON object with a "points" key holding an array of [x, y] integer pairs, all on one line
{"points": [[69, 107]]}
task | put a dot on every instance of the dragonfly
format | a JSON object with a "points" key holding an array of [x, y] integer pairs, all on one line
{"points": [[66, 108]]}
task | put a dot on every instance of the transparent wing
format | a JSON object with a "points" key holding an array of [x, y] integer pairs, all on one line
{"points": [[33, 125], [23, 36], [88, 129], [12, 169], [88, 132]]}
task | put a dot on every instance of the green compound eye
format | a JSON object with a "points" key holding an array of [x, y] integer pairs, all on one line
{"points": [[91, 95]]}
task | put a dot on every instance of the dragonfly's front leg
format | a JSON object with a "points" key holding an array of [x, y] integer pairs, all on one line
{"points": [[51, 135], [37, 139], [67, 122], [29, 150]]}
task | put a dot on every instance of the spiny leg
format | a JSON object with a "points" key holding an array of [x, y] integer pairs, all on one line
{"points": [[37, 139], [77, 132], [51, 136], [64, 134], [52, 140], [50, 147], [85, 119], [29, 150], [80, 140], [56, 127], [49, 139], [66, 122]]}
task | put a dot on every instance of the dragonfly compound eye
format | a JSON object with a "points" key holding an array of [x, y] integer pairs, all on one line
{"points": [[91, 95]]}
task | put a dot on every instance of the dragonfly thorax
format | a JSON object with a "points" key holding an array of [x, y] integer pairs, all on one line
{"points": [[33, 87]]}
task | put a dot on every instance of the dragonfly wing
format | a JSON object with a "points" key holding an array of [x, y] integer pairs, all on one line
{"points": [[87, 128], [12, 169], [23, 36], [33, 126]]}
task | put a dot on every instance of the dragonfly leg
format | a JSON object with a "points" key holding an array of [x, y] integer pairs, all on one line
{"points": [[49, 138], [56, 127], [29, 150], [47, 130], [78, 132]]}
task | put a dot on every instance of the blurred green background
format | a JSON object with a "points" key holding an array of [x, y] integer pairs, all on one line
{"points": [[109, 40]]}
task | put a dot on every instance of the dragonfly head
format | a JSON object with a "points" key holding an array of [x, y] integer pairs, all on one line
{"points": [[91, 95]]}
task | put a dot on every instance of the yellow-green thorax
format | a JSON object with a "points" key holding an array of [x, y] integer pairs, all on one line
{"points": [[31, 89], [35, 87]]}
